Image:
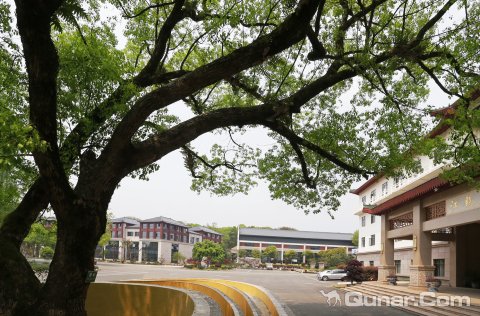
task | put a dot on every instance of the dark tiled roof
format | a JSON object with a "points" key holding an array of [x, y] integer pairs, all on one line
{"points": [[164, 220], [204, 229], [295, 234], [126, 220]]}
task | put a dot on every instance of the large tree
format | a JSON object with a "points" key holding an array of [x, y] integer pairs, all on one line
{"points": [[93, 113]]}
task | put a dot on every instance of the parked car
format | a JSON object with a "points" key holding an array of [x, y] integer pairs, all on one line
{"points": [[269, 266], [332, 275]]}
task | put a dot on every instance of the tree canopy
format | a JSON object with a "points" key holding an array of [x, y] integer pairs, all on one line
{"points": [[355, 238], [338, 85], [270, 252], [213, 251]]}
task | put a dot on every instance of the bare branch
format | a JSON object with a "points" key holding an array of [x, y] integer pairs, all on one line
{"points": [[176, 15], [434, 20], [142, 11], [306, 176], [238, 83], [294, 138]]}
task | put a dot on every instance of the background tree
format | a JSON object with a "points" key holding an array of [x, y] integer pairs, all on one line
{"points": [[91, 113], [355, 238], [213, 251], [105, 238], [47, 252], [270, 252], [39, 237], [289, 255], [256, 253], [242, 253], [308, 255], [179, 258], [334, 257]]}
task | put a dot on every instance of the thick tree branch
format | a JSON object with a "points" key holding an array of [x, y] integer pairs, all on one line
{"points": [[433, 21], [152, 6], [42, 67], [291, 31], [145, 77], [237, 82], [303, 164]]}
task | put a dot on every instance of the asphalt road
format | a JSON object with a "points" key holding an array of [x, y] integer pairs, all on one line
{"points": [[298, 292]]}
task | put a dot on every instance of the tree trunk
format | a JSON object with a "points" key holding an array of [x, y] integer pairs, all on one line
{"points": [[18, 284], [65, 290]]}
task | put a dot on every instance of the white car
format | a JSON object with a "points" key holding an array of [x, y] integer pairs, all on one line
{"points": [[269, 266], [332, 275]]}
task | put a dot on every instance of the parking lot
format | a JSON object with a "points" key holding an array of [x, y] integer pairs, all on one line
{"points": [[300, 293]]}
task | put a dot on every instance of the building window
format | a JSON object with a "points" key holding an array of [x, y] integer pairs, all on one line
{"points": [[364, 199], [363, 221], [150, 235], [373, 196], [398, 266], [150, 225], [192, 240], [363, 241], [136, 234], [129, 233], [372, 219], [385, 188], [371, 263], [397, 182], [439, 267], [144, 234], [372, 240], [158, 224], [164, 235], [157, 235], [197, 239], [171, 236]]}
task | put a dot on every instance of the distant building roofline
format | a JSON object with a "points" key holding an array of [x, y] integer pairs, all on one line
{"points": [[205, 229]]}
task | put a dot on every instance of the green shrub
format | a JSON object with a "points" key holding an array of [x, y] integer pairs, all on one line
{"points": [[46, 253]]}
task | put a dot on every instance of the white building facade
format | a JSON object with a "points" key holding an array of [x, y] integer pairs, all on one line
{"points": [[421, 225]]}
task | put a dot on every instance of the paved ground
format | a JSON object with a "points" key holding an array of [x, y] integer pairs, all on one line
{"points": [[299, 292]]}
